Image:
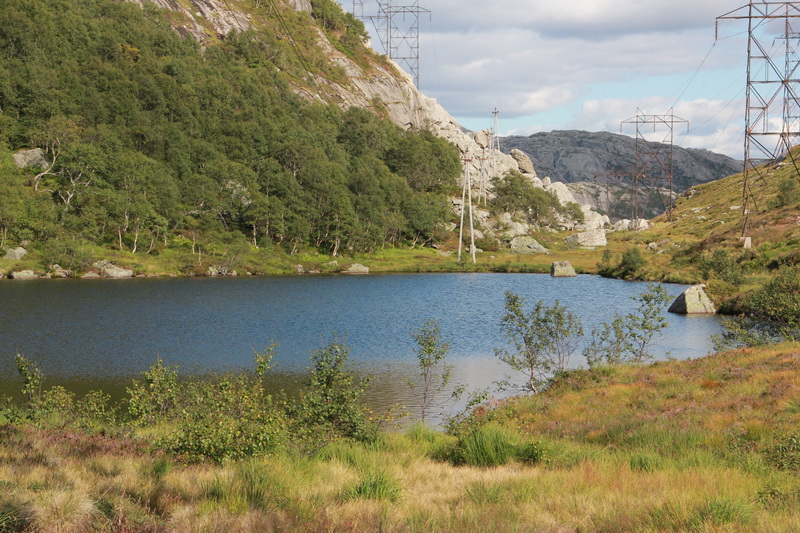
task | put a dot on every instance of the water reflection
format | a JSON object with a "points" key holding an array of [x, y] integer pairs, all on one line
{"points": [[90, 334]]}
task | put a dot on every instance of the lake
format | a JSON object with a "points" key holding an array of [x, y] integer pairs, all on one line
{"points": [[100, 333]]}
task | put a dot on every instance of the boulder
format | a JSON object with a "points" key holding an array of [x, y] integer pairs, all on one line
{"points": [[30, 158], [91, 275], [588, 238], [561, 191], [592, 219], [693, 301], [110, 270], [24, 274], [562, 269], [57, 271], [15, 254], [527, 245], [523, 161], [356, 268]]}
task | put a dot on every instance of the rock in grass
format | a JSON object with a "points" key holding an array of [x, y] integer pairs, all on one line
{"points": [[562, 269], [588, 238], [693, 301], [527, 245], [15, 254], [356, 268]]}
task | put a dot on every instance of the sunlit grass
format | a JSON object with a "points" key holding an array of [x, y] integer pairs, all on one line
{"points": [[643, 448]]}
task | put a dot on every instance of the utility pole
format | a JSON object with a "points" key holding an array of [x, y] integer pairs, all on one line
{"points": [[773, 85], [466, 195], [654, 151]]}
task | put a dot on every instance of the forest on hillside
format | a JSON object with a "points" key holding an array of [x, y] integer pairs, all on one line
{"points": [[152, 141]]}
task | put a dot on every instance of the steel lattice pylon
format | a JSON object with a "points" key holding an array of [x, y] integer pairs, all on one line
{"points": [[654, 151], [397, 28], [772, 115]]}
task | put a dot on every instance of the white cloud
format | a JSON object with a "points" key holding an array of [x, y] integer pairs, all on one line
{"points": [[584, 64]]}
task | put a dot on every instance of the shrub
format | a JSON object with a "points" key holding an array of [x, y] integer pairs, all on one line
{"points": [[723, 266], [544, 339], [788, 194], [153, 399], [626, 339], [330, 407], [632, 261], [785, 455]]}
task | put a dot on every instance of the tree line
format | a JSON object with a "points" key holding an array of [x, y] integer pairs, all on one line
{"points": [[149, 137]]}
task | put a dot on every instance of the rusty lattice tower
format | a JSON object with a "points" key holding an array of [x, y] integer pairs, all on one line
{"points": [[772, 113], [654, 150]]}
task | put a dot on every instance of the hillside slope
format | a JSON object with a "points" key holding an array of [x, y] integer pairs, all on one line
{"points": [[573, 156]]}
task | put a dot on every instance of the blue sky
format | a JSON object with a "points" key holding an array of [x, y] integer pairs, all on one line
{"points": [[586, 64]]}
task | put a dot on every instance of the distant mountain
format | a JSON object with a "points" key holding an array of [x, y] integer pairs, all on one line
{"points": [[577, 156]]}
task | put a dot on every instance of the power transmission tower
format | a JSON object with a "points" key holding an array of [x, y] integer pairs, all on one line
{"points": [[358, 9], [608, 178], [772, 90], [654, 151], [466, 195], [495, 140], [397, 28]]}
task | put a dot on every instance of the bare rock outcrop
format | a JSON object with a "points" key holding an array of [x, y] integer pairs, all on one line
{"points": [[588, 239], [30, 158]]}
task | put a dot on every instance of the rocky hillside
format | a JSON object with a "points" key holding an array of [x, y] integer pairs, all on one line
{"points": [[574, 156]]}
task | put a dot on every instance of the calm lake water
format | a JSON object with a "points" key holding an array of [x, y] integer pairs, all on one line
{"points": [[101, 333]]}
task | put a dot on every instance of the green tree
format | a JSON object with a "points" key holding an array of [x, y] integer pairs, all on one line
{"points": [[434, 374], [627, 339], [331, 404], [543, 339]]}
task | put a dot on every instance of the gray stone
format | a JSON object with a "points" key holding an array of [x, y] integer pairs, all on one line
{"points": [[693, 301], [30, 158], [15, 254], [588, 238], [652, 246], [562, 269], [527, 245], [108, 269], [356, 268], [298, 269], [24, 274], [91, 275], [748, 243], [58, 272], [523, 161]]}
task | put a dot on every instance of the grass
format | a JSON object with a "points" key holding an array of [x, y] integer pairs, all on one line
{"points": [[703, 445]]}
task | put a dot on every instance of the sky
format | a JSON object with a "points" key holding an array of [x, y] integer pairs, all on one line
{"points": [[586, 64]]}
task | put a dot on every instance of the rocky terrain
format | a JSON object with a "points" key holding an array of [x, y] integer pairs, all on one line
{"points": [[592, 163]]}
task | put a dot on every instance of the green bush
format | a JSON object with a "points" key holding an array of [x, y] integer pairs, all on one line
{"points": [[331, 404], [632, 261]]}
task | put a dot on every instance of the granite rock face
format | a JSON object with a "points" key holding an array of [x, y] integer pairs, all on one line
{"points": [[573, 156], [588, 239]]}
